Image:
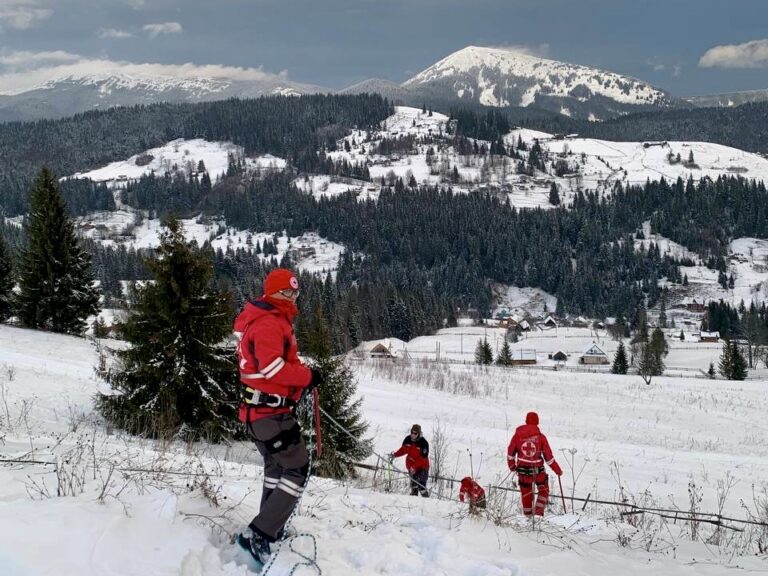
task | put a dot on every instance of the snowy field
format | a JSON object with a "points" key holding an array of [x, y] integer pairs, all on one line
{"points": [[687, 357], [182, 156], [130, 507]]}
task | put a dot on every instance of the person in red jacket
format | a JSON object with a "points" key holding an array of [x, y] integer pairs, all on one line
{"points": [[273, 381], [473, 491], [528, 451], [415, 448]]}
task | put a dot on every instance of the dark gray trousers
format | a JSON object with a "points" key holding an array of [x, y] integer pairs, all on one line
{"points": [[286, 467], [419, 483]]}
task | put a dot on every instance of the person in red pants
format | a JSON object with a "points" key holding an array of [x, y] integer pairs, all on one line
{"points": [[528, 451]]}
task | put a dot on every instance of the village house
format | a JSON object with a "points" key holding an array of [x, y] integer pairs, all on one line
{"points": [[523, 357], [594, 355], [382, 350], [559, 356], [709, 336]]}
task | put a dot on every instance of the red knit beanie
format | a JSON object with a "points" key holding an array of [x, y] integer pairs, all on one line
{"points": [[280, 279], [532, 418]]}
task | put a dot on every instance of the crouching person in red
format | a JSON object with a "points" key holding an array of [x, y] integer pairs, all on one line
{"points": [[273, 380], [415, 448], [528, 451], [473, 492]]}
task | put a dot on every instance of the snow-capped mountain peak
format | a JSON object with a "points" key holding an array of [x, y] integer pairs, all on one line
{"points": [[511, 77]]}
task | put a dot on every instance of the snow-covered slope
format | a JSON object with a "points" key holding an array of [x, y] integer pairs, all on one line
{"points": [[129, 507], [183, 157], [505, 77]]}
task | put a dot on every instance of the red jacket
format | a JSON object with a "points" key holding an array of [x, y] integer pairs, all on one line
{"points": [[529, 450], [268, 354], [416, 453], [472, 489]]}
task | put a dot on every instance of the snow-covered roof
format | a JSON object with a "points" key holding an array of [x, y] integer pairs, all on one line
{"points": [[523, 354], [593, 350], [709, 334]]}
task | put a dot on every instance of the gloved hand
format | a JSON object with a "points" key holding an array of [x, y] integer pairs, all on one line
{"points": [[317, 380], [512, 466], [556, 469], [391, 456]]}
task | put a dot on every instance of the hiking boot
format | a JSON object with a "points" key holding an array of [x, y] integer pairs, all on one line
{"points": [[256, 544]]}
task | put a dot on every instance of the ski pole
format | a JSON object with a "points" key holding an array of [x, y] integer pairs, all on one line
{"points": [[565, 511], [318, 435]]}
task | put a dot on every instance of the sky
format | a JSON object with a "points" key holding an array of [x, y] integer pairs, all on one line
{"points": [[688, 47]]}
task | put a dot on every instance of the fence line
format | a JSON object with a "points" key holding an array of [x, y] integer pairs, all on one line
{"points": [[684, 515]]}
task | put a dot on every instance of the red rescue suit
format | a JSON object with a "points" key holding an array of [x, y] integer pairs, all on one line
{"points": [[416, 453], [528, 451], [473, 491], [268, 357]]}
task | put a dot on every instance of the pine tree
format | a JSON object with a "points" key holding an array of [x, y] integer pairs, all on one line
{"points": [[505, 355], [554, 195], [738, 363], [483, 352], [176, 377], [663, 312], [6, 281], [711, 371], [650, 363], [659, 344], [620, 364], [56, 286], [338, 401], [682, 335], [725, 366]]}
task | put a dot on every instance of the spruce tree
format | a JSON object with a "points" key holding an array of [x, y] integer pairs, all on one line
{"points": [[6, 281], [620, 364], [505, 355], [738, 363], [483, 352], [659, 344], [554, 195], [338, 400], [663, 313], [176, 377], [56, 285], [725, 366], [650, 363]]}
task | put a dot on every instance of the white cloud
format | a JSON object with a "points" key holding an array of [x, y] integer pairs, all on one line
{"points": [[752, 54], [155, 30], [22, 59], [113, 33], [21, 14], [540, 51], [677, 70], [659, 67], [16, 82]]}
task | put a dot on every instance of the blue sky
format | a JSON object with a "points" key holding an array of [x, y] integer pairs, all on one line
{"points": [[685, 46]]}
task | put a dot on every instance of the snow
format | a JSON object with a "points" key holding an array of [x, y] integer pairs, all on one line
{"points": [[310, 251], [182, 155], [607, 431], [549, 76], [323, 186], [516, 300]]}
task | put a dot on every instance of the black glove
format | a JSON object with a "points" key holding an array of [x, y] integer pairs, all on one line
{"points": [[317, 380]]}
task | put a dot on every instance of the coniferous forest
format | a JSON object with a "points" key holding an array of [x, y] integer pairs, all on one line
{"points": [[418, 255]]}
